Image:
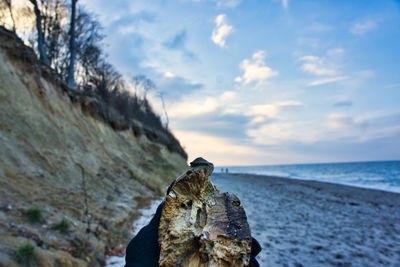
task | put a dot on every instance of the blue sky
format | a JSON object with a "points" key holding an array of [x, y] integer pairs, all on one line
{"points": [[250, 82]]}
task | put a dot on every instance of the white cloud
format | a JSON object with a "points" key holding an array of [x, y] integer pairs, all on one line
{"points": [[228, 96], [271, 134], [316, 65], [319, 67], [221, 31], [189, 107], [270, 110], [169, 74], [327, 80], [360, 28], [255, 69], [335, 52], [339, 121], [285, 4], [228, 3]]}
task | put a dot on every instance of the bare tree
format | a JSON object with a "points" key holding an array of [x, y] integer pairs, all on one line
{"points": [[72, 46], [40, 37], [137, 81], [142, 83], [54, 13], [148, 86]]}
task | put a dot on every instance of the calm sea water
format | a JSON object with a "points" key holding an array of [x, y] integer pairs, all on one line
{"points": [[383, 175]]}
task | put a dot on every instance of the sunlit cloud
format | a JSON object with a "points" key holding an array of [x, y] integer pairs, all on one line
{"points": [[189, 107], [221, 31], [169, 74], [255, 69], [219, 149]]}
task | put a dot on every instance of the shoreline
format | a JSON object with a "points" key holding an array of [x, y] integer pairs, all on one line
{"points": [[314, 223], [310, 181]]}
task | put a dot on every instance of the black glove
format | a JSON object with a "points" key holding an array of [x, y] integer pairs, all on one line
{"points": [[143, 250]]}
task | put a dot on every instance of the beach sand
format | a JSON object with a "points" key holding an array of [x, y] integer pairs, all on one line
{"points": [[308, 223]]}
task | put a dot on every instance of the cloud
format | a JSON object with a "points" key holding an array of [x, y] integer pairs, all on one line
{"points": [[255, 69], [223, 3], [221, 31], [285, 4], [361, 28], [316, 65], [359, 129], [319, 67], [130, 23], [178, 42], [335, 52], [219, 150], [327, 80], [216, 123], [343, 103], [228, 3], [271, 134], [174, 86], [189, 108], [338, 121], [169, 74], [271, 110]]}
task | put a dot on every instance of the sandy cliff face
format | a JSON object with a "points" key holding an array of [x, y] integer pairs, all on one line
{"points": [[45, 142]]}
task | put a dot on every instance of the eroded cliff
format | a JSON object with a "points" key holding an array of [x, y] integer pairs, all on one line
{"points": [[58, 158]]}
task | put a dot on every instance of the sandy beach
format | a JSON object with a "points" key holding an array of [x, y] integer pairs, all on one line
{"points": [[308, 223]]}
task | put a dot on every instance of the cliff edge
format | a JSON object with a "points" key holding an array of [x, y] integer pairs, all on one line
{"points": [[84, 178]]}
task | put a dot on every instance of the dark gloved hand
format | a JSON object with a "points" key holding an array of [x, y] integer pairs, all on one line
{"points": [[143, 250]]}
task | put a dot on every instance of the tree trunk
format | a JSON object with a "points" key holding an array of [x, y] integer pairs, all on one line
{"points": [[40, 39], [72, 46]]}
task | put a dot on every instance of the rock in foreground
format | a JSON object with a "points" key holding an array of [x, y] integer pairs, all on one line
{"points": [[200, 226]]}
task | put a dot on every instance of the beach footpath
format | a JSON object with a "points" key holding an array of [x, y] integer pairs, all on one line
{"points": [[309, 223]]}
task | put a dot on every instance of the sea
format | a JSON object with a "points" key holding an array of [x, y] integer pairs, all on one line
{"points": [[381, 175]]}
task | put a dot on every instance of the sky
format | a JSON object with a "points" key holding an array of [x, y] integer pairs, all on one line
{"points": [[260, 82]]}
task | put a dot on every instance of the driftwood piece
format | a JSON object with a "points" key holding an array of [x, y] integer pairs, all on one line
{"points": [[200, 226]]}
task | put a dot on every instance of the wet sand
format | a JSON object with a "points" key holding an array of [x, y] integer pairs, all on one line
{"points": [[308, 223]]}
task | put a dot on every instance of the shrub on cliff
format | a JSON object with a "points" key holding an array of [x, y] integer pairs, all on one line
{"points": [[63, 225], [34, 214], [26, 254]]}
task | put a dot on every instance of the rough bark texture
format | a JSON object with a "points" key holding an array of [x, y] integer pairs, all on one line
{"points": [[200, 226]]}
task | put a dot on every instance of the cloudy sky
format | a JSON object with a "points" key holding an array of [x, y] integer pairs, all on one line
{"points": [[251, 82]]}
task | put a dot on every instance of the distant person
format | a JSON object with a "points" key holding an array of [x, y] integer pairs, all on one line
{"points": [[226, 170]]}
